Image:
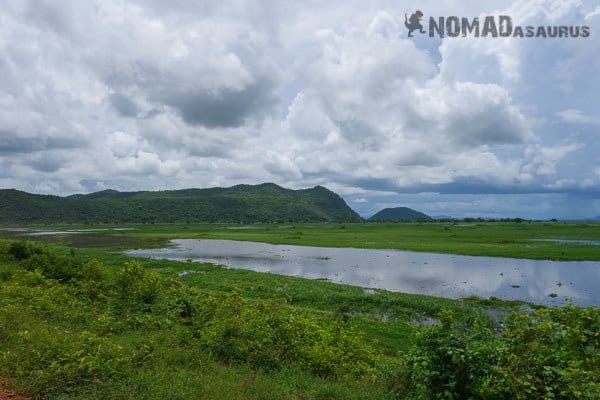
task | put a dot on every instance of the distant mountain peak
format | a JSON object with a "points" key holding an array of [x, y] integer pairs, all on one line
{"points": [[399, 214]]}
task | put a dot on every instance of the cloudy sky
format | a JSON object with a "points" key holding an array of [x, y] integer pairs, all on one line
{"points": [[166, 95]]}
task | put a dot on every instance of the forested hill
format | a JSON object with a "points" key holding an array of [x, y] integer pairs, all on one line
{"points": [[399, 214], [239, 204]]}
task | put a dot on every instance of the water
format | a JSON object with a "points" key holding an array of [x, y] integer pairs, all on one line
{"points": [[443, 275], [570, 241], [27, 232]]}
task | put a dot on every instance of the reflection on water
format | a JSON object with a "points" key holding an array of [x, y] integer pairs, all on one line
{"points": [[444, 275]]}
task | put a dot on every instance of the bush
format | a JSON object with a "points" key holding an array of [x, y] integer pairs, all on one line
{"points": [[57, 362], [267, 334], [136, 287], [450, 362], [552, 354], [51, 264], [61, 268], [548, 354], [23, 250]]}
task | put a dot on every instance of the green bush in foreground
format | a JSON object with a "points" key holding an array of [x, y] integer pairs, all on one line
{"points": [[70, 325], [552, 353], [268, 334], [547, 354], [59, 331]]}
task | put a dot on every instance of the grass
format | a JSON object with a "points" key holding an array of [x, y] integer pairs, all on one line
{"points": [[386, 316], [117, 334], [499, 239], [44, 323], [78, 338]]}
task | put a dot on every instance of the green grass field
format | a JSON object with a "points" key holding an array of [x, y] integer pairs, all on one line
{"points": [[51, 332], [519, 240], [74, 328]]}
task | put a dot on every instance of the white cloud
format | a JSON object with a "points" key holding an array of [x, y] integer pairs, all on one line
{"points": [[593, 14], [99, 95], [578, 117], [545, 159], [146, 164]]}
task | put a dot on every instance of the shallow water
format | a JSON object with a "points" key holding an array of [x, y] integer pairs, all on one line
{"points": [[444, 275], [72, 231], [570, 241]]}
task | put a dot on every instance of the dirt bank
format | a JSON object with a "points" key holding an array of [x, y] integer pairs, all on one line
{"points": [[6, 394]]}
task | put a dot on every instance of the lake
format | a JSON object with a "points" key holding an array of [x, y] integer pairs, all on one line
{"points": [[444, 275]]}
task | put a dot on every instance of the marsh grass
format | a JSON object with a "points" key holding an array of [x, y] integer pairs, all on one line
{"points": [[97, 324], [501, 239]]}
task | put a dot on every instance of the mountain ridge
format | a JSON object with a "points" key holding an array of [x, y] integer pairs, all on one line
{"points": [[242, 203]]}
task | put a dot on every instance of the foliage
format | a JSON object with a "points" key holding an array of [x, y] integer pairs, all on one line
{"points": [[268, 334], [58, 362], [118, 329], [503, 239], [551, 354], [450, 363], [137, 287], [60, 335], [242, 203], [547, 354], [399, 214]]}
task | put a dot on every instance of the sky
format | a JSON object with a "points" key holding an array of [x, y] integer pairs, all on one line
{"points": [[155, 95]]}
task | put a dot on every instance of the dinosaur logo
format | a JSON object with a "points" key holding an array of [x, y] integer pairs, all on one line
{"points": [[414, 22]]}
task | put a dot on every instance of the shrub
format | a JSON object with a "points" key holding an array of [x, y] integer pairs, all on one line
{"points": [[23, 250], [450, 362], [136, 287], [266, 334], [57, 362], [547, 354], [51, 264], [552, 353], [61, 268]]}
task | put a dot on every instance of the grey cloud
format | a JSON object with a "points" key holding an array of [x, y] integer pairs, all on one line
{"points": [[466, 115], [5, 171], [214, 83], [66, 142], [424, 158], [225, 108], [218, 150], [124, 105], [47, 15], [47, 163], [497, 126], [363, 133], [10, 142], [197, 89]]}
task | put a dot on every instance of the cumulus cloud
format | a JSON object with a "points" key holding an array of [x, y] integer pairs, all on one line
{"points": [[146, 164], [97, 95]]}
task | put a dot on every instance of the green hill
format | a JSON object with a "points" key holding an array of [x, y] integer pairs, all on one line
{"points": [[242, 203], [399, 214]]}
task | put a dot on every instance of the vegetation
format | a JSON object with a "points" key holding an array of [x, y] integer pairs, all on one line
{"points": [[399, 214], [548, 354], [242, 203], [92, 324], [502, 239]]}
